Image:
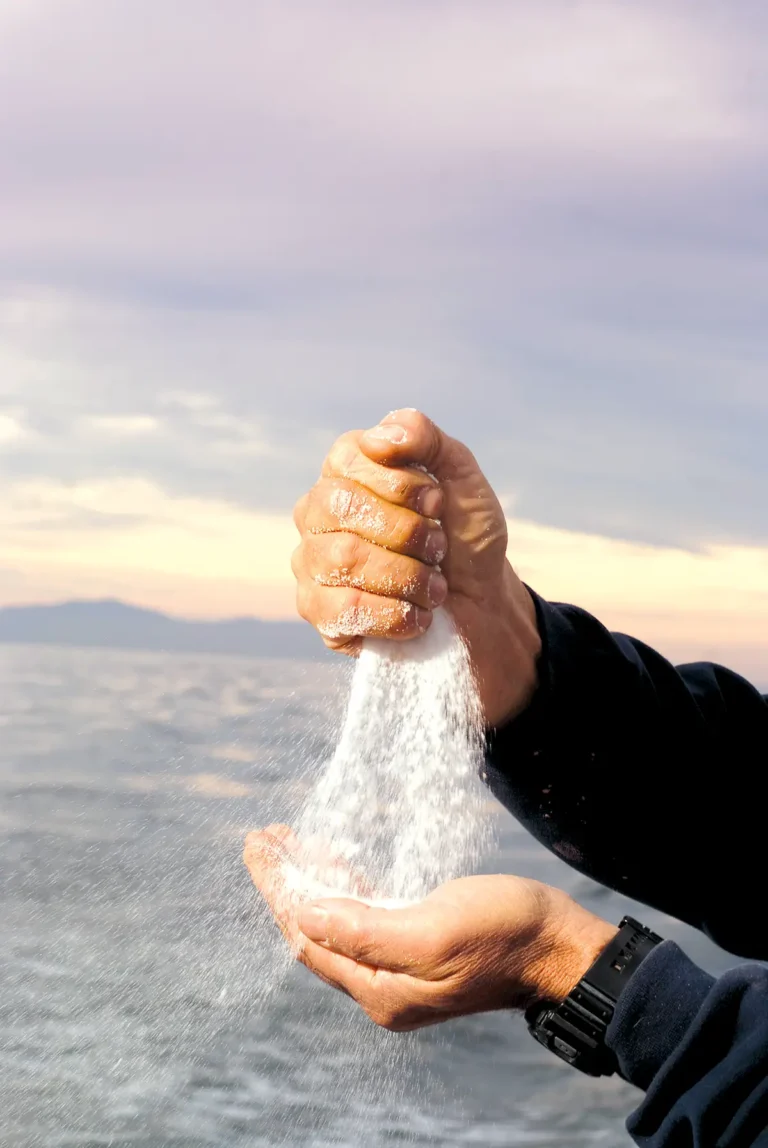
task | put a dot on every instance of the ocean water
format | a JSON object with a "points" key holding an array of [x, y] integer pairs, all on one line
{"points": [[134, 951]]}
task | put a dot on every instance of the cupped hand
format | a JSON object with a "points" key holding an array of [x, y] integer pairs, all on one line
{"points": [[402, 521], [473, 945]]}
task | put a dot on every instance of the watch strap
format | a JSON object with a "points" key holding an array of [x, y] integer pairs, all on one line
{"points": [[575, 1029]]}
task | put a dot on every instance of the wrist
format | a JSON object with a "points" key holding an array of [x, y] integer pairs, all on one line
{"points": [[508, 670], [572, 940]]}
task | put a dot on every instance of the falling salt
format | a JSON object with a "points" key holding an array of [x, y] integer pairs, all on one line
{"points": [[397, 810], [400, 802]]}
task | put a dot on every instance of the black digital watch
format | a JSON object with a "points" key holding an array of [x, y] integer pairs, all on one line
{"points": [[575, 1029]]}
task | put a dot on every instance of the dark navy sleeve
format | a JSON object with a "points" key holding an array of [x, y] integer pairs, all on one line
{"points": [[649, 778], [645, 776], [699, 1048]]}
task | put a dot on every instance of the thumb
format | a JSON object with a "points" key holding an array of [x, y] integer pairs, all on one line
{"points": [[393, 939], [408, 438]]}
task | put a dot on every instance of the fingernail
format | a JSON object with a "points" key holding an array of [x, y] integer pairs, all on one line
{"points": [[436, 546], [390, 433], [313, 923], [438, 589], [431, 501], [423, 618]]}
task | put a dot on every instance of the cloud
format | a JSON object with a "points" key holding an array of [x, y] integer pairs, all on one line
{"points": [[11, 430], [690, 605], [240, 144], [122, 426], [127, 537], [201, 557], [231, 232]]}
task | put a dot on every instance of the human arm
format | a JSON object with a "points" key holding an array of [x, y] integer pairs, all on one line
{"points": [[645, 776], [698, 1046], [618, 748]]}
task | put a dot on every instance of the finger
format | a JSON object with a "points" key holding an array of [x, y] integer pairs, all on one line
{"points": [[264, 857], [345, 559], [341, 615], [277, 862], [395, 1001], [398, 940], [311, 607], [382, 994], [407, 437], [270, 845], [402, 486], [342, 505], [300, 512], [278, 835], [329, 971], [315, 869]]}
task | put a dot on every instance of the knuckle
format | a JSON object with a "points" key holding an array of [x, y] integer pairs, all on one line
{"points": [[351, 601], [357, 509], [342, 504], [405, 533], [396, 617], [343, 455], [297, 561], [336, 644], [346, 619], [305, 600], [344, 552], [300, 513], [400, 485]]}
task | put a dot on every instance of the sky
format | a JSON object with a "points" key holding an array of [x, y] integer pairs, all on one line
{"points": [[230, 231]]}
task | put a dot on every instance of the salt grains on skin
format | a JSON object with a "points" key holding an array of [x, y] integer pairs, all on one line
{"points": [[387, 584], [340, 577], [350, 623], [361, 620], [357, 513]]}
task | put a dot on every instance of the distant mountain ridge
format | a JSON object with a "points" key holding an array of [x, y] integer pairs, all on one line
{"points": [[116, 624]]}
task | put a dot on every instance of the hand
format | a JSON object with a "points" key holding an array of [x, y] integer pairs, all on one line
{"points": [[474, 945], [303, 870], [383, 543]]}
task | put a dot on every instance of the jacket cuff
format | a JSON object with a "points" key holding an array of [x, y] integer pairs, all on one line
{"points": [[655, 1011]]}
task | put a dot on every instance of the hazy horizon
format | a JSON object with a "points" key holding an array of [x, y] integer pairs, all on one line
{"points": [[233, 233], [125, 602]]}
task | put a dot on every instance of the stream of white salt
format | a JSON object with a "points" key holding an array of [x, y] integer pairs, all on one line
{"points": [[397, 810], [400, 803]]}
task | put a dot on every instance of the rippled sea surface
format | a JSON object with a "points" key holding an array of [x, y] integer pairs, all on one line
{"points": [[139, 1002]]}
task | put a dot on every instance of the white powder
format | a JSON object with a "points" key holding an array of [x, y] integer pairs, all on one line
{"points": [[355, 512], [398, 810], [386, 584], [350, 623], [401, 799]]}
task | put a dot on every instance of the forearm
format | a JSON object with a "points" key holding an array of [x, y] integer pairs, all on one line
{"points": [[640, 774], [699, 1048]]}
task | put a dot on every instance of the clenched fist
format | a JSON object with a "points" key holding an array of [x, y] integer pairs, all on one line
{"points": [[402, 521]]}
